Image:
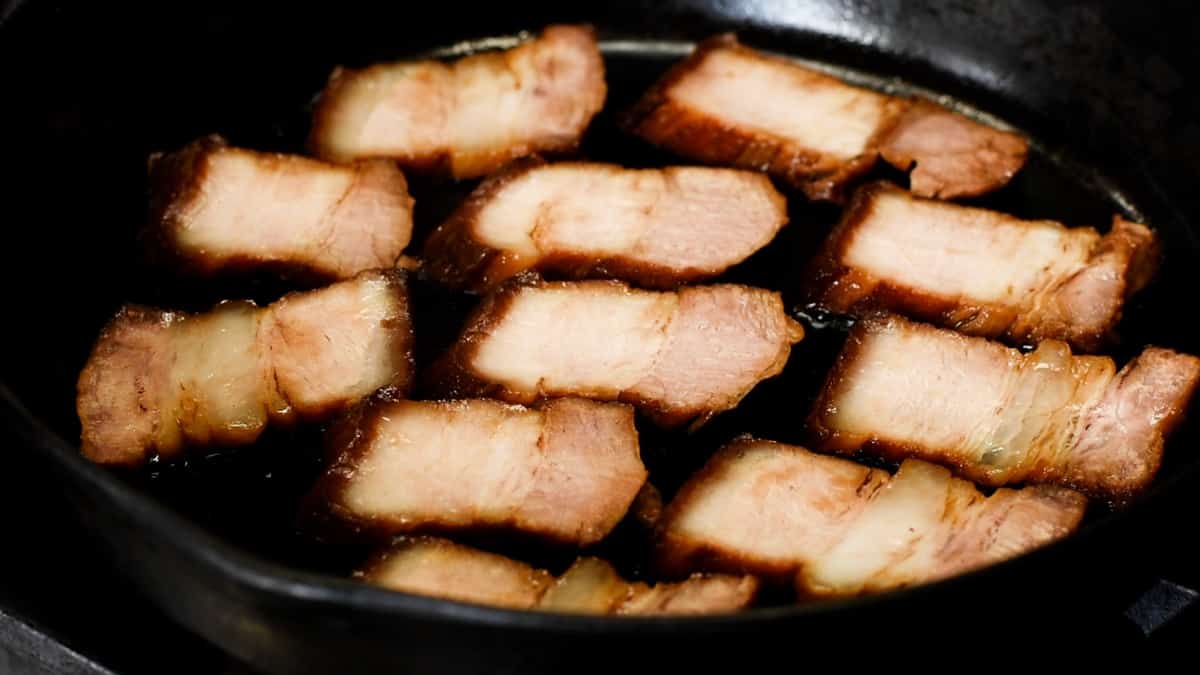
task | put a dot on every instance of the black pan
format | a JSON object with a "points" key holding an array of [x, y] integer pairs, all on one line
{"points": [[89, 92]]}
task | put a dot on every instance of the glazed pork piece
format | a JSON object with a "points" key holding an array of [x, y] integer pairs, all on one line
{"points": [[679, 356], [656, 227], [729, 104], [466, 118], [214, 208], [999, 416], [566, 471], [839, 528], [980, 272], [158, 381], [439, 568]]}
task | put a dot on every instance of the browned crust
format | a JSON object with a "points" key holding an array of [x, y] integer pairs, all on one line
{"points": [[456, 258], [1138, 466], [660, 121], [452, 254], [657, 119], [174, 182], [1116, 489], [324, 515], [949, 155], [452, 375], [325, 117], [834, 287], [97, 415], [677, 556]]}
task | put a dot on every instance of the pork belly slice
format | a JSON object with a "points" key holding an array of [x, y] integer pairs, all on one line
{"points": [[469, 117], [565, 471], [656, 227], [443, 569], [215, 208], [980, 272], [439, 568], [729, 104], [678, 356], [840, 528], [999, 416], [160, 381]]}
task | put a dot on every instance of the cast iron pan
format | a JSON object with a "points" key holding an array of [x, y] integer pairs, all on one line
{"points": [[89, 92]]}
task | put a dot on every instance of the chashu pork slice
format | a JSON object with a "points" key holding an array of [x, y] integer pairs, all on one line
{"points": [[1000, 416], [565, 471], [729, 104], [679, 355], [978, 271], [468, 117], [158, 381], [439, 568], [217, 208], [655, 227], [840, 528]]}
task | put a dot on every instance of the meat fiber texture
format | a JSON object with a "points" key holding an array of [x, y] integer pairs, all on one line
{"points": [[679, 356], [469, 117], [158, 382], [439, 568], [980, 272], [840, 528], [565, 471], [728, 104], [658, 228], [999, 416]]}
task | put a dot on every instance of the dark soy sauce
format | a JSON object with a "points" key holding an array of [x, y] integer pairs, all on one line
{"points": [[250, 495]]}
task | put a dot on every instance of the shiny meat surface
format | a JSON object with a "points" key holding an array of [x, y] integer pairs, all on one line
{"points": [[678, 356], [980, 272], [158, 381], [216, 208], [840, 528], [468, 117], [729, 104], [566, 471], [1000, 416], [439, 568], [656, 227], [442, 569]]}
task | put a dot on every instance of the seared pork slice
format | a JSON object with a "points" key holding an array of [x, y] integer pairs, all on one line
{"points": [[469, 117], [655, 227], [439, 568], [442, 569], [839, 528], [215, 208], [999, 416], [980, 272], [158, 381], [566, 471], [678, 356], [729, 104]]}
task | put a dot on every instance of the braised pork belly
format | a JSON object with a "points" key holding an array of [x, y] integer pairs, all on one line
{"points": [[656, 227], [980, 272], [1000, 416], [729, 104], [565, 471], [679, 356], [469, 117], [216, 208], [159, 381], [836, 527], [439, 568]]}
